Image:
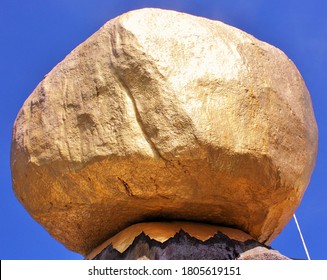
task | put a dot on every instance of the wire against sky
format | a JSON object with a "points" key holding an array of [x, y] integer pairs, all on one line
{"points": [[300, 232]]}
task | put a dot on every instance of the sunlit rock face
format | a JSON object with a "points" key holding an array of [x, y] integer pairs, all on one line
{"points": [[164, 115]]}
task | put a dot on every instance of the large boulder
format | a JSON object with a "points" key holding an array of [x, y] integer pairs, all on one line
{"points": [[164, 115]]}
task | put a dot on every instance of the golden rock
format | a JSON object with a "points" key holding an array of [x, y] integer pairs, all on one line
{"points": [[164, 115]]}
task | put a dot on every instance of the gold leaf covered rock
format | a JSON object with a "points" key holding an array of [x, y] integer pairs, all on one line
{"points": [[161, 114]]}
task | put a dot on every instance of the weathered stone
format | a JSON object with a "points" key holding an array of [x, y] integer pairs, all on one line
{"points": [[176, 241], [164, 231], [160, 114], [262, 253]]}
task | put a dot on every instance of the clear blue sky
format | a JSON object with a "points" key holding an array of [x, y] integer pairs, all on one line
{"points": [[37, 34]]}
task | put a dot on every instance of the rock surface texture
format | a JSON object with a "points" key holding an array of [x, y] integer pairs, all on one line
{"points": [[261, 253], [182, 241], [169, 234], [161, 114]]}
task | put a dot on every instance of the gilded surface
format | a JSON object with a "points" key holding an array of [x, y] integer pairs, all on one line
{"points": [[163, 115]]}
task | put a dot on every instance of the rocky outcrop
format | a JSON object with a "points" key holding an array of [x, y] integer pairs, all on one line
{"points": [[182, 241], [158, 115], [262, 253], [180, 247], [144, 239]]}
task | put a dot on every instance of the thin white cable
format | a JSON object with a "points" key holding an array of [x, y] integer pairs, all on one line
{"points": [[303, 242]]}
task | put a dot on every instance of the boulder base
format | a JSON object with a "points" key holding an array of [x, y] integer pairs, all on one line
{"points": [[182, 241]]}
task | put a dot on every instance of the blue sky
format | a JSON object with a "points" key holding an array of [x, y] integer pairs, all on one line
{"points": [[37, 34]]}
